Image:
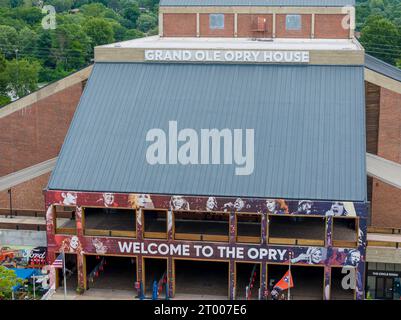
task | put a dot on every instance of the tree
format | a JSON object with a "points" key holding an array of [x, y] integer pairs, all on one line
{"points": [[93, 9], [44, 45], [132, 13], [99, 30], [8, 40], [8, 279], [27, 40], [61, 5], [146, 22], [381, 38], [133, 34], [3, 80], [22, 76], [30, 15]]}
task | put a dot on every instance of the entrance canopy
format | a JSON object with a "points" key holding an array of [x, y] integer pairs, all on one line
{"points": [[300, 130]]}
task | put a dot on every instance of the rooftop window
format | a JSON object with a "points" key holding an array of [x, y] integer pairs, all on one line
{"points": [[216, 21], [293, 22]]}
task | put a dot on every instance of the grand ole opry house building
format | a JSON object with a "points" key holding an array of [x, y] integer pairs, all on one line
{"points": [[214, 155]]}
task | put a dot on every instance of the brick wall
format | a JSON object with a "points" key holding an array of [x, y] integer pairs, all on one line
{"points": [[205, 31], [35, 133], [246, 24], [329, 26], [179, 25], [386, 200], [27, 195]]}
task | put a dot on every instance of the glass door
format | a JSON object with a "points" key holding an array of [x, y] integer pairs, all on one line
{"points": [[384, 288]]}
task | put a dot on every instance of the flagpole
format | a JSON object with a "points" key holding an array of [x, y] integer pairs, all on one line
{"points": [[290, 276], [65, 281]]}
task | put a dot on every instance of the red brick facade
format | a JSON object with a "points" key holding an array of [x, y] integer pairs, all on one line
{"points": [[330, 26], [327, 26], [386, 200], [35, 133], [27, 195], [179, 25], [205, 30]]}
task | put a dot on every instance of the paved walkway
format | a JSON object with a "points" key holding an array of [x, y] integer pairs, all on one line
{"points": [[107, 294], [95, 294]]}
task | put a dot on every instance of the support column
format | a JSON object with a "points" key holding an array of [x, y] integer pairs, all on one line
{"points": [[360, 270], [329, 231], [81, 266], [161, 24], [170, 236], [233, 227], [327, 282], [263, 281], [313, 26], [80, 222], [232, 276], [265, 229], [274, 25], [197, 25], [81, 259], [139, 229], [140, 274], [171, 277], [235, 25]]}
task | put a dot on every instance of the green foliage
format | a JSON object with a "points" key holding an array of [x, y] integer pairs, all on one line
{"points": [[146, 22], [99, 30], [22, 76], [4, 100], [379, 22], [47, 55], [8, 280], [8, 40], [381, 38]]}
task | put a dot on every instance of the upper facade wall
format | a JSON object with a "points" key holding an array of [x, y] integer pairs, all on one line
{"points": [[257, 22]]}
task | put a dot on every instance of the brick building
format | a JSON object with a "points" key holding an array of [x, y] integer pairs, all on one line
{"points": [[314, 27], [213, 227]]}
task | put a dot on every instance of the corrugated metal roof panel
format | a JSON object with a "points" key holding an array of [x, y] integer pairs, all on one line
{"points": [[308, 121], [382, 67], [267, 3]]}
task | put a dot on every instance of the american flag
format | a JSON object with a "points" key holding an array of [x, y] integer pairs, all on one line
{"points": [[58, 263]]}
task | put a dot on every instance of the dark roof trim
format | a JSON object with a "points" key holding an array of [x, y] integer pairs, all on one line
{"points": [[382, 67], [258, 3]]}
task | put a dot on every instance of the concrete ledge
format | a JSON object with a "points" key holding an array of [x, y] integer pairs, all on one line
{"points": [[383, 255], [253, 9], [382, 81], [384, 170], [23, 238], [26, 174], [46, 91]]}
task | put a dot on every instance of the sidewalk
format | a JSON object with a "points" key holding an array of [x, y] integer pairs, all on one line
{"points": [[95, 294]]}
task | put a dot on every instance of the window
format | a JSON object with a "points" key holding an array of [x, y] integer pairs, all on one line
{"points": [[110, 222], [216, 21], [65, 222], [293, 22]]}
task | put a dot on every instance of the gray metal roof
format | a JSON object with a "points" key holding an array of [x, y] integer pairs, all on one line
{"points": [[382, 67], [308, 120], [269, 3]]}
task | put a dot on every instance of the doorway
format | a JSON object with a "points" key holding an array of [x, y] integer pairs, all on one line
{"points": [[384, 288]]}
